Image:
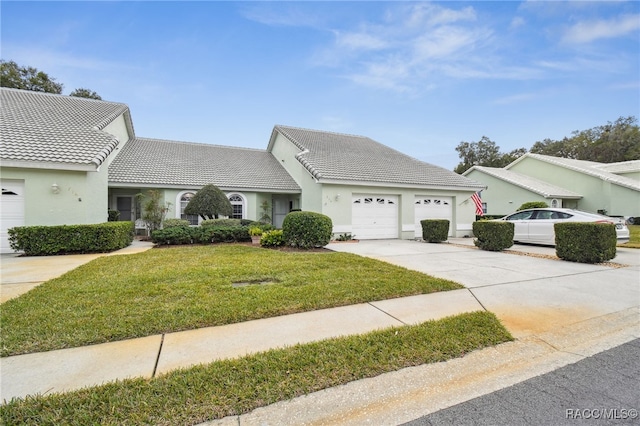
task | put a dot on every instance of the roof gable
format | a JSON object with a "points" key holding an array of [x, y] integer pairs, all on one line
{"points": [[55, 130], [157, 162], [345, 158], [537, 186], [590, 168]]}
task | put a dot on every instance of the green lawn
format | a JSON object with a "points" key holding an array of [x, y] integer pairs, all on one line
{"points": [[232, 387], [634, 237], [180, 288]]}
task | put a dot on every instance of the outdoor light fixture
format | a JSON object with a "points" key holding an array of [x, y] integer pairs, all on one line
{"points": [[55, 188]]}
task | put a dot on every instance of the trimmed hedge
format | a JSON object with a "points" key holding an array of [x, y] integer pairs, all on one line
{"points": [[172, 223], [435, 230], [226, 222], [67, 239], [585, 242], [307, 229], [493, 236], [200, 235]]}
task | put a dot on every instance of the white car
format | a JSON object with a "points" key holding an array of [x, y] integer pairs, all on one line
{"points": [[536, 225]]}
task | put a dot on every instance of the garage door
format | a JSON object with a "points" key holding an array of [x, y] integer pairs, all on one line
{"points": [[11, 210], [433, 208], [374, 216]]}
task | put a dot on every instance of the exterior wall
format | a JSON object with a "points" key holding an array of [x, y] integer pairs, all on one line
{"points": [[598, 194], [82, 198], [117, 128], [503, 198]]}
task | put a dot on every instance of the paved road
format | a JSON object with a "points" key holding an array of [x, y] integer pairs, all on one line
{"points": [[601, 389]]}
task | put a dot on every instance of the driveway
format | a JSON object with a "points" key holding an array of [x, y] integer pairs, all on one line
{"points": [[529, 294]]}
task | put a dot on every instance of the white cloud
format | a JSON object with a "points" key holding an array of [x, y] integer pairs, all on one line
{"points": [[588, 31]]}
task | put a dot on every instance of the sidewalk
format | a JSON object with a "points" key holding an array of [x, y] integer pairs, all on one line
{"points": [[559, 312]]}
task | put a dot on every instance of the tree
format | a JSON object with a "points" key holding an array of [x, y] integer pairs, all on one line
{"points": [[209, 203], [85, 93], [485, 152], [27, 78], [153, 211], [610, 143]]}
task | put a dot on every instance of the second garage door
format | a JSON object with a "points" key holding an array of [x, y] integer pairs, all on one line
{"points": [[374, 216], [432, 208]]}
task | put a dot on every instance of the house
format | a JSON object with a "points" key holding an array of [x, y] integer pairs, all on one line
{"points": [[68, 160], [55, 153], [613, 189]]}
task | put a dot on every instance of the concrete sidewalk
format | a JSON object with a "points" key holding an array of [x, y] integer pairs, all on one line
{"points": [[559, 312]]}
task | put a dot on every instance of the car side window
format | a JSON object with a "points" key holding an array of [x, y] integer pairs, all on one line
{"points": [[562, 215], [543, 214], [520, 216]]}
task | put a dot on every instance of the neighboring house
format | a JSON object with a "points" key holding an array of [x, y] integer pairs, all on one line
{"points": [[54, 154], [561, 182], [68, 160]]}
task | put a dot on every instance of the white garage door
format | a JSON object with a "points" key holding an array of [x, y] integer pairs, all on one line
{"points": [[374, 216], [11, 210], [433, 208]]}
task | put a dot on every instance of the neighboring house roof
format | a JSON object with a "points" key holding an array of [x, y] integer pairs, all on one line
{"points": [[343, 158], [622, 167], [537, 186], [164, 163], [587, 167], [55, 131]]}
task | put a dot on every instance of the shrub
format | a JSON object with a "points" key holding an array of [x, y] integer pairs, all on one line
{"points": [[533, 205], [113, 215], [173, 223], [173, 235], [221, 234], [272, 238], [307, 229], [585, 242], [435, 230], [222, 222], [493, 236], [209, 203], [63, 239]]}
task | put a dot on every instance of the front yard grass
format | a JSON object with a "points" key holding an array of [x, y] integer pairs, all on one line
{"points": [[634, 237], [232, 387], [180, 288]]}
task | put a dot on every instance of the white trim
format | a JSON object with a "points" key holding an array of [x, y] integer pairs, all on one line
{"points": [[244, 202], [178, 211]]}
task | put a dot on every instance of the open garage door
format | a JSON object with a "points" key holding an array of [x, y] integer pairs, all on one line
{"points": [[374, 216], [11, 210], [427, 207]]}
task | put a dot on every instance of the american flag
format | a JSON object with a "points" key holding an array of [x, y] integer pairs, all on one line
{"points": [[478, 202]]}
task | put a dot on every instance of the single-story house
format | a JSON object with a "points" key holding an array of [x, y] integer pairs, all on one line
{"points": [[69, 160], [613, 189]]}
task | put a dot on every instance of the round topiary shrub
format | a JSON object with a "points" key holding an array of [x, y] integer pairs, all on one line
{"points": [[307, 229]]}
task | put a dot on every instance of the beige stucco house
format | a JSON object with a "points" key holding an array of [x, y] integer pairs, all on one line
{"points": [[613, 189], [68, 160]]}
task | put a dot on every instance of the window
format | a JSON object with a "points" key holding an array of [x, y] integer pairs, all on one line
{"points": [[184, 200], [237, 203]]}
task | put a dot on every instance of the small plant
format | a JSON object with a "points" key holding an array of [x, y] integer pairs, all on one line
{"points": [[255, 231], [345, 237], [265, 217], [273, 238], [113, 215], [153, 211]]}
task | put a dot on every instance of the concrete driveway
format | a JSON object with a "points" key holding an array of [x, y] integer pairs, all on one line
{"points": [[529, 294]]}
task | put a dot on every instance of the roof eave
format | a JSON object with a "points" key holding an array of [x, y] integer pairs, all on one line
{"points": [[470, 188], [44, 165]]}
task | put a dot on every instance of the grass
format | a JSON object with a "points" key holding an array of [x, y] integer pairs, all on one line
{"points": [[634, 237], [232, 387], [180, 288]]}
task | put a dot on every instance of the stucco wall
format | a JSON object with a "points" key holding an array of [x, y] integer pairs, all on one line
{"points": [[502, 197]]}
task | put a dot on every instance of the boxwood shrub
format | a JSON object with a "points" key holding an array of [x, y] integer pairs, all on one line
{"points": [[585, 242], [67, 239], [435, 230], [493, 236], [307, 229]]}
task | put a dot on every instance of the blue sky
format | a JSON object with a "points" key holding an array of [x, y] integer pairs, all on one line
{"points": [[417, 76]]}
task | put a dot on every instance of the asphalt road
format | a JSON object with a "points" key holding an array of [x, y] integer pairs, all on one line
{"points": [[603, 389]]}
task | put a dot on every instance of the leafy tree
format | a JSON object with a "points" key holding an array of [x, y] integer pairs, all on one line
{"points": [[610, 143], [153, 211], [209, 203], [485, 152], [85, 93], [27, 78]]}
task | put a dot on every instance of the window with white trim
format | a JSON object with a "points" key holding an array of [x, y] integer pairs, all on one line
{"points": [[184, 200], [237, 203]]}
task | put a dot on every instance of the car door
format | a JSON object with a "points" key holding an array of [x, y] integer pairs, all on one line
{"points": [[541, 227], [520, 222]]}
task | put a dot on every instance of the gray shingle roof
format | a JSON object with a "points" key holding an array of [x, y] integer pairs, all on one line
{"points": [[55, 129], [166, 163], [587, 167], [622, 167], [545, 189], [335, 156]]}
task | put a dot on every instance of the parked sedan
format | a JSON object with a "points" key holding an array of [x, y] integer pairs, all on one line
{"points": [[536, 225]]}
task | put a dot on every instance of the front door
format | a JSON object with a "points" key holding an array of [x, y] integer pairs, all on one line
{"points": [[125, 205]]}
